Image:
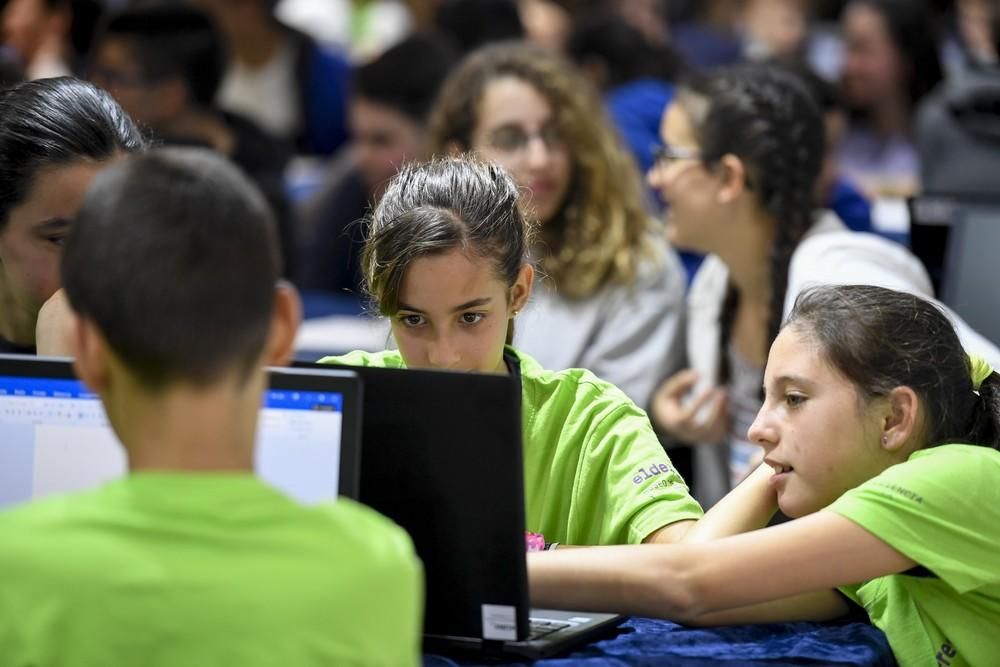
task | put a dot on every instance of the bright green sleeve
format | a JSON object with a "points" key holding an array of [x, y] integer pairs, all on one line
{"points": [[640, 491], [940, 508], [386, 359]]}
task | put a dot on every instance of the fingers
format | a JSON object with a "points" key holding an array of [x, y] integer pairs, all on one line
{"points": [[679, 383]]}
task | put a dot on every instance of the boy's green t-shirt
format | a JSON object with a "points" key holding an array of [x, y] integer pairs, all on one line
{"points": [[594, 470], [941, 509], [204, 569]]}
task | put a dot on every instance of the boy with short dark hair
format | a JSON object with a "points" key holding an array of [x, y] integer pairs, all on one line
{"points": [[172, 271], [164, 64]]}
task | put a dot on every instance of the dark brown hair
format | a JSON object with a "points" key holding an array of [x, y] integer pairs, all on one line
{"points": [[880, 339], [764, 116], [434, 207]]}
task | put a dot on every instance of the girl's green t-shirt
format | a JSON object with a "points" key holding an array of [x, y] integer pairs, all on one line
{"points": [[594, 470], [941, 509]]}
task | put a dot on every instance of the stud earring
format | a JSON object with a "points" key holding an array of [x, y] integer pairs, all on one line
{"points": [[885, 441]]}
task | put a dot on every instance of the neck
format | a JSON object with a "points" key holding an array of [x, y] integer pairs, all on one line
{"points": [[891, 117], [186, 427], [201, 126], [17, 323], [747, 255], [257, 42]]}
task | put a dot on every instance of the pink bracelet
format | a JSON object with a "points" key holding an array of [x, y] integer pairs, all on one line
{"points": [[534, 541]]}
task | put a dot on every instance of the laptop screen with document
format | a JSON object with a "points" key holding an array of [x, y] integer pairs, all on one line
{"points": [[55, 436]]}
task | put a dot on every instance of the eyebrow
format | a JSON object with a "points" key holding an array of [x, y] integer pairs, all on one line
{"points": [[52, 224], [475, 303], [783, 380]]}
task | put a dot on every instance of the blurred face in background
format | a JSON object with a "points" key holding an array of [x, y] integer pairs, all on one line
{"points": [[873, 68], [975, 25], [28, 24], [777, 27], [693, 216], [115, 69], [517, 128], [383, 140]]}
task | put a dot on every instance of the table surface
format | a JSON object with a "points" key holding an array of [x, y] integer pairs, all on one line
{"points": [[647, 642]]}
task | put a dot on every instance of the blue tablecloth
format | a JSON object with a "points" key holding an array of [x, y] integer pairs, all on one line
{"points": [[646, 642]]}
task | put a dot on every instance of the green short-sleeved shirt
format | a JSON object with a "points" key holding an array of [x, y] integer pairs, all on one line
{"points": [[940, 508], [166, 570], [594, 470]]}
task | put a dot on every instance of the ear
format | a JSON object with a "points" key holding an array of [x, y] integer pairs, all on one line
{"points": [[733, 172], [521, 289], [90, 353], [285, 320], [901, 421]]}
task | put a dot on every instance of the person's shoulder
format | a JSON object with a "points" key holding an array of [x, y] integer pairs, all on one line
{"points": [[660, 268], [577, 389], [948, 475], [383, 359], [374, 538], [951, 460], [45, 523], [832, 254]]}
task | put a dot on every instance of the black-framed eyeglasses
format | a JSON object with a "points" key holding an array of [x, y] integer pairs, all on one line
{"points": [[665, 154]]}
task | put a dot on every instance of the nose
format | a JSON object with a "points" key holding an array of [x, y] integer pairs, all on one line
{"points": [[654, 177], [538, 152], [443, 353], [763, 430], [661, 177]]}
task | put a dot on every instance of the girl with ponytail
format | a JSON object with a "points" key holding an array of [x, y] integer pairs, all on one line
{"points": [[881, 441], [743, 148]]}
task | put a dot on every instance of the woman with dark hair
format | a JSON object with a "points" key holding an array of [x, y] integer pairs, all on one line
{"points": [[55, 135], [881, 437], [891, 62], [742, 152], [446, 261]]}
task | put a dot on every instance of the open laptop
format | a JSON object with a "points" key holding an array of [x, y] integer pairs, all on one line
{"points": [[441, 456], [55, 437]]}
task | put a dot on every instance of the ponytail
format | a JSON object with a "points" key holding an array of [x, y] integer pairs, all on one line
{"points": [[985, 426]]}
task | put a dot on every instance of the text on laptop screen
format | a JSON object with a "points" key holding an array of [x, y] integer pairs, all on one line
{"points": [[55, 438]]}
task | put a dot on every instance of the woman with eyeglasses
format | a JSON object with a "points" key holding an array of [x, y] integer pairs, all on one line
{"points": [[742, 151], [611, 293]]}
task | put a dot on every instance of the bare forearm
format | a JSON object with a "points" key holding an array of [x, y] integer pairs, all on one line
{"points": [[816, 607], [641, 580], [747, 507], [745, 574]]}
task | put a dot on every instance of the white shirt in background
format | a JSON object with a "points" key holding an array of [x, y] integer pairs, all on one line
{"points": [[267, 95]]}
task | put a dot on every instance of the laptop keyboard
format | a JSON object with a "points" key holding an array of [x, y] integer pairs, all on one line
{"points": [[540, 627]]}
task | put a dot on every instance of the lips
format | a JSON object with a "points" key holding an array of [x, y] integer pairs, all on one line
{"points": [[542, 187], [782, 472]]}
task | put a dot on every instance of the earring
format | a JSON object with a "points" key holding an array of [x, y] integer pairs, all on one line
{"points": [[885, 441], [514, 313]]}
